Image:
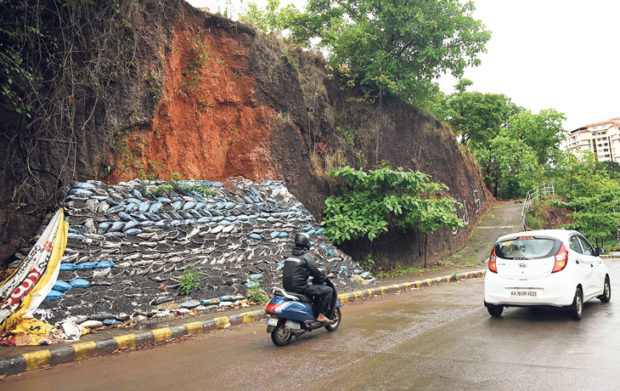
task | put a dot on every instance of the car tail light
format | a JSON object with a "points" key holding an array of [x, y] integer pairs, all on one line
{"points": [[561, 259], [493, 261]]}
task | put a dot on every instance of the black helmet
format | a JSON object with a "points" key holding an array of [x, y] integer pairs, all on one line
{"points": [[302, 240]]}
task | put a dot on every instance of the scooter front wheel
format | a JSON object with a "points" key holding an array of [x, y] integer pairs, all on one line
{"points": [[281, 335], [336, 319]]}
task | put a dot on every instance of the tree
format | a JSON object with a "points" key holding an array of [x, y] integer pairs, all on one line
{"points": [[399, 46], [592, 193], [274, 19], [543, 132], [370, 204], [509, 166], [477, 117]]}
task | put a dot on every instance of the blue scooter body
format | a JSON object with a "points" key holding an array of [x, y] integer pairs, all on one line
{"points": [[288, 316]]}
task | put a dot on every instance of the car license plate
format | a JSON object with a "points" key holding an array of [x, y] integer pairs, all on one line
{"points": [[272, 321], [523, 292]]}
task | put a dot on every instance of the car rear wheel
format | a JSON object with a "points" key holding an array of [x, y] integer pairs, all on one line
{"points": [[577, 307], [495, 310], [606, 296]]}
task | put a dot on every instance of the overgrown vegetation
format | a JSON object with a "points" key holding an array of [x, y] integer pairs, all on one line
{"points": [[592, 192], [368, 205], [395, 47], [66, 69], [514, 147]]}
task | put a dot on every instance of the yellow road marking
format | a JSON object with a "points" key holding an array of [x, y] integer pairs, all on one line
{"points": [[126, 341], [162, 334], [193, 328], [38, 359], [84, 350]]}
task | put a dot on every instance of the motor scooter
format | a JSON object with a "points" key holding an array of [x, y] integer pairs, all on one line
{"points": [[291, 314]]}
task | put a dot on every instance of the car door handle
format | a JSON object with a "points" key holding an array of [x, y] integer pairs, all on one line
{"points": [[577, 262]]}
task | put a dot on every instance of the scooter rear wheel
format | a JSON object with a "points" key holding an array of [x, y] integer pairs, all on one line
{"points": [[281, 335], [336, 319]]}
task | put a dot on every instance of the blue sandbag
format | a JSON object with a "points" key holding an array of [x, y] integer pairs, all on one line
{"points": [[61, 286], [67, 266], [85, 185], [330, 253], [54, 295], [134, 231], [131, 208], [86, 266], [115, 209], [189, 205], [104, 264], [144, 206], [80, 283], [130, 225], [307, 228], [284, 235], [275, 234], [255, 236]]}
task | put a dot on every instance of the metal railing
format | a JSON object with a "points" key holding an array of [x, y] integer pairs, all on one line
{"points": [[539, 192]]}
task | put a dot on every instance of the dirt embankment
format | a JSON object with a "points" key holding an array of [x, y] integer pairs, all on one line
{"points": [[207, 123], [229, 102]]}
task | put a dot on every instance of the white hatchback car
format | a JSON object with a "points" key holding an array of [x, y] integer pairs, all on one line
{"points": [[557, 268]]}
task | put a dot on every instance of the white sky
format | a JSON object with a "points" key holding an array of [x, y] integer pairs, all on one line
{"points": [[561, 54]]}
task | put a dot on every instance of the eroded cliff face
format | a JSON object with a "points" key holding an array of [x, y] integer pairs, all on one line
{"points": [[232, 103], [207, 123]]}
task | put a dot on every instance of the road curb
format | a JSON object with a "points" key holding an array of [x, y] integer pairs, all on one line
{"points": [[63, 354]]}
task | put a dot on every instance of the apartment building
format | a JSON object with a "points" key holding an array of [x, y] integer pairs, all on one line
{"points": [[602, 138]]}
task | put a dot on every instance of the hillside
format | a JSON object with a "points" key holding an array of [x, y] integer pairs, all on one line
{"points": [[162, 90]]}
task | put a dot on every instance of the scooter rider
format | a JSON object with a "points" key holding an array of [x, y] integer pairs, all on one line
{"points": [[298, 268]]}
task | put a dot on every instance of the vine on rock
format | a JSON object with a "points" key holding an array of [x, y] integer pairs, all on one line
{"points": [[71, 78]]}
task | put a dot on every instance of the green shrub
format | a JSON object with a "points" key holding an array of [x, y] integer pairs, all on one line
{"points": [[190, 280], [256, 295]]}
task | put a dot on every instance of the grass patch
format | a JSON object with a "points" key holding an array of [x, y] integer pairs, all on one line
{"points": [[180, 187]]}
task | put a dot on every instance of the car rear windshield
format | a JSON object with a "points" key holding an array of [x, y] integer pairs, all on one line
{"points": [[527, 248]]}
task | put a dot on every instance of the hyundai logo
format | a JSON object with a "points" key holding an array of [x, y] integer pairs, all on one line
{"points": [[522, 265]]}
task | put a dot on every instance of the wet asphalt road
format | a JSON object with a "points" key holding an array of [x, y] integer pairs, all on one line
{"points": [[436, 338]]}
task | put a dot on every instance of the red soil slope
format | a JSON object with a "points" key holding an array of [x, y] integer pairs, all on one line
{"points": [[207, 124]]}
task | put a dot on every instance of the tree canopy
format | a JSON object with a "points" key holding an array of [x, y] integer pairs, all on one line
{"points": [[475, 116], [398, 46]]}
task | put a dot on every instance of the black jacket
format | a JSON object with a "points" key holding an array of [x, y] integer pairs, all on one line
{"points": [[298, 268]]}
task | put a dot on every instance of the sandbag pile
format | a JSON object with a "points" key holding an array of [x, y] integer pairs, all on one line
{"points": [[130, 247]]}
